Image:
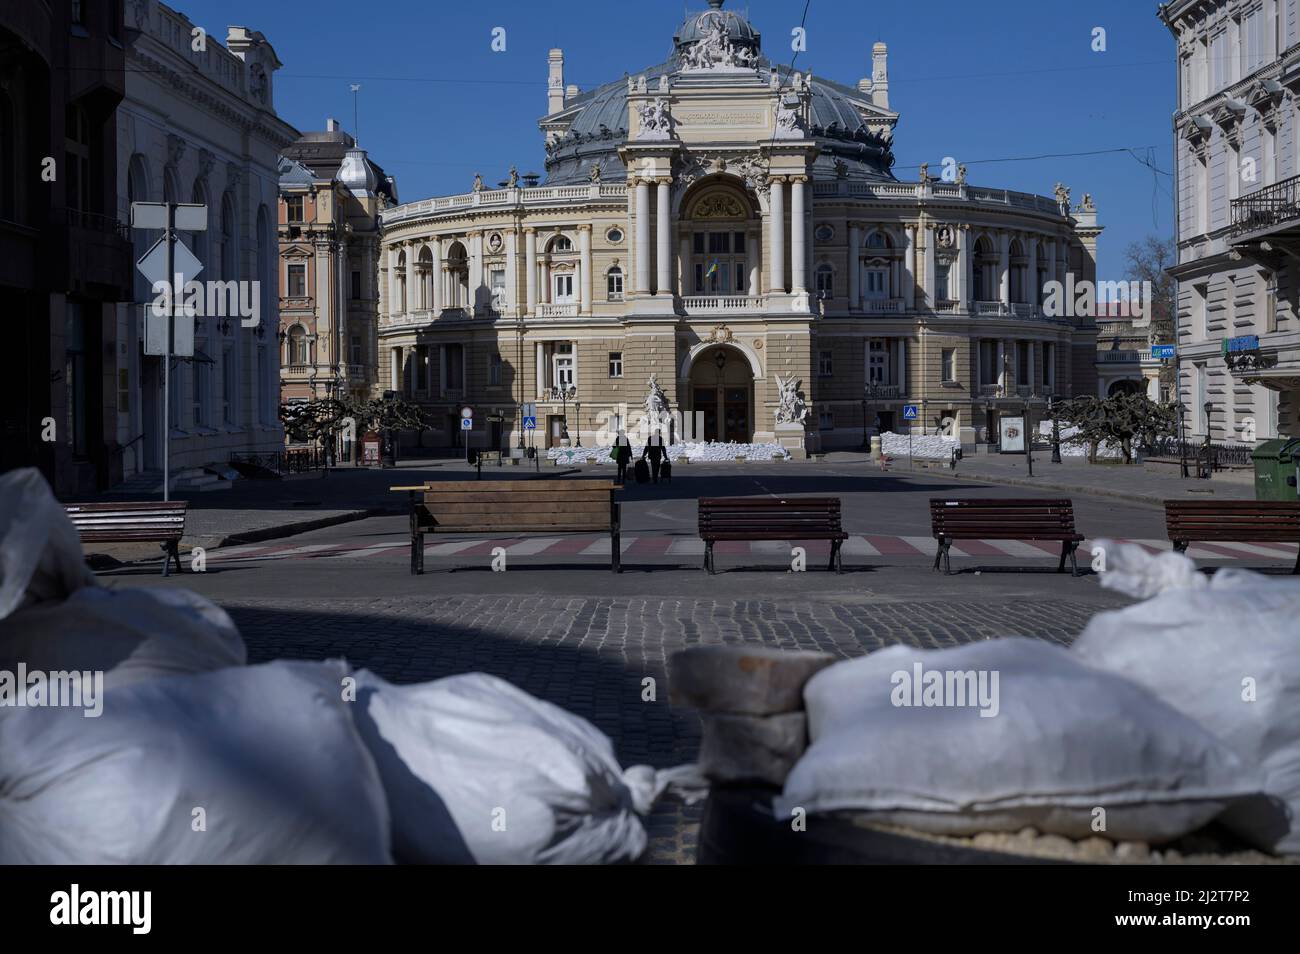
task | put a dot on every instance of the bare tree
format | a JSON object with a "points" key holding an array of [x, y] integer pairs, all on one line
{"points": [[1149, 261]]}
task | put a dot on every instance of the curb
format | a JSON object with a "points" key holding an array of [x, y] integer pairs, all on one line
{"points": [[281, 530], [1136, 497]]}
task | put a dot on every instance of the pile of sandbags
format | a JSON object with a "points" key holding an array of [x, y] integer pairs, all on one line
{"points": [[187, 755], [1224, 651], [1006, 734], [753, 727]]}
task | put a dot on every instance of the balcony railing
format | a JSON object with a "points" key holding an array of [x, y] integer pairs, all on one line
{"points": [[564, 310], [882, 392], [1120, 357], [992, 391], [724, 303], [883, 306], [1267, 208], [995, 308]]}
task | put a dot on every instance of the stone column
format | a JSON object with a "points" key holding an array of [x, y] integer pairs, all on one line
{"points": [[664, 252], [584, 265], [798, 237], [1051, 260], [475, 270], [1004, 267], [512, 273], [901, 370], [411, 286], [530, 269], [1031, 364], [961, 266], [395, 371], [643, 237], [392, 279], [684, 266], [776, 231], [928, 279], [1002, 364], [1032, 289], [435, 277], [909, 280], [855, 266]]}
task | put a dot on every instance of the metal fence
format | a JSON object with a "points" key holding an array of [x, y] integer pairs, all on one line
{"points": [[1222, 456], [291, 460]]}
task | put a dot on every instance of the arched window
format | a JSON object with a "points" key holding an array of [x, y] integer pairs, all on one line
{"points": [[878, 239], [1019, 272], [825, 281], [561, 243], [401, 281], [297, 346], [985, 270], [614, 284], [424, 272], [228, 250], [457, 276]]}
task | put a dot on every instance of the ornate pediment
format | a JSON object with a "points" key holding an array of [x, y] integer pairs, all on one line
{"points": [[1228, 118], [753, 170], [1265, 96], [719, 205]]}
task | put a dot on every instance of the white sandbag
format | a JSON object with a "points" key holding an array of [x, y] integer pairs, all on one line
{"points": [[40, 550], [1034, 738], [264, 759], [129, 634], [477, 770], [1225, 652]]}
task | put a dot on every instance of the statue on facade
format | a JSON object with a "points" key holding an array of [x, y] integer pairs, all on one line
{"points": [[513, 182], [1087, 204], [656, 404], [1063, 198], [478, 182], [961, 175], [655, 121], [791, 407], [594, 174], [788, 123], [925, 172], [714, 49]]}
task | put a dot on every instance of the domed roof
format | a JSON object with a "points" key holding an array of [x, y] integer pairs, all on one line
{"points": [[700, 25], [355, 172]]}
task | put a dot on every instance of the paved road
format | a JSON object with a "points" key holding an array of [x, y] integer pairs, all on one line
{"points": [[563, 627]]}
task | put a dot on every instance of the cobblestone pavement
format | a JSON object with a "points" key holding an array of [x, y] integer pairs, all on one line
{"points": [[590, 654]]}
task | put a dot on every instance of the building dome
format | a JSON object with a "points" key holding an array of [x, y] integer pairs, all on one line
{"points": [[356, 174], [698, 26]]}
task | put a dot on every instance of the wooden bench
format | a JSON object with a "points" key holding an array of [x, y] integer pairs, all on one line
{"points": [[144, 522], [1233, 521], [1013, 519], [513, 506], [771, 518]]}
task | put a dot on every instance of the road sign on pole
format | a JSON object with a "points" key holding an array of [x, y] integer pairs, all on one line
{"points": [[911, 412], [530, 423], [153, 266], [160, 264]]}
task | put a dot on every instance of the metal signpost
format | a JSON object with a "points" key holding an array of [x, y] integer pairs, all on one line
{"points": [[176, 265], [911, 412], [466, 425]]}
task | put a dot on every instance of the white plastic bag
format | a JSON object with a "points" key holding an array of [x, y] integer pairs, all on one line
{"points": [[477, 770], [252, 765], [1059, 741], [129, 634], [1226, 652], [40, 550]]}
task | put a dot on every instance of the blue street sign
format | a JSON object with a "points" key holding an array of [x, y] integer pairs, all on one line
{"points": [[530, 423], [1162, 351], [467, 423], [1242, 343], [911, 412]]}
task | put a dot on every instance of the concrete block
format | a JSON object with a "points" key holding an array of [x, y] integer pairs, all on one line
{"points": [[744, 748], [743, 680]]}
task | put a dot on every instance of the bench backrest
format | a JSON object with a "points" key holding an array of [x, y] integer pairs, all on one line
{"points": [[769, 517], [147, 520], [1008, 519], [499, 505], [1239, 520]]}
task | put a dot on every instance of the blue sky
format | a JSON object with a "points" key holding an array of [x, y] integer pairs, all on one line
{"points": [[977, 81]]}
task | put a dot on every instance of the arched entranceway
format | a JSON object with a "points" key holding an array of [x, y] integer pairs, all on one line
{"points": [[1125, 386], [721, 393]]}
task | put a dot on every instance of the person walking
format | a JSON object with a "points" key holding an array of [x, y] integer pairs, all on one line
{"points": [[622, 454], [656, 450]]}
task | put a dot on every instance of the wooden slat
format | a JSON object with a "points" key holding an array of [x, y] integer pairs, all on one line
{"points": [[580, 512], [522, 521], [515, 486]]}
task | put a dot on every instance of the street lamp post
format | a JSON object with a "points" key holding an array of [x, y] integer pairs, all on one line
{"points": [[1056, 431], [1205, 468], [519, 373], [1029, 441], [1182, 437], [577, 409], [564, 394], [866, 441]]}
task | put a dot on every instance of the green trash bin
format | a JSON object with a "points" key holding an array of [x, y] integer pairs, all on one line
{"points": [[1275, 469]]}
